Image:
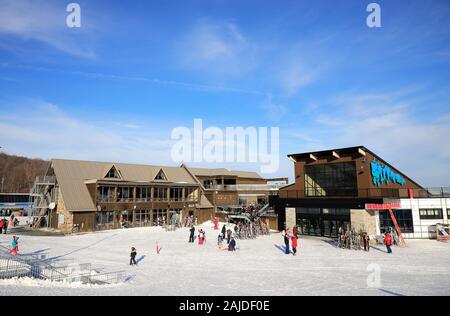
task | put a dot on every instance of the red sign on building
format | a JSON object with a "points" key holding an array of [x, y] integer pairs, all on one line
{"points": [[386, 207]]}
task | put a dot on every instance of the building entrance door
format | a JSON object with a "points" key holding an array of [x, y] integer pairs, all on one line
{"points": [[322, 222]]}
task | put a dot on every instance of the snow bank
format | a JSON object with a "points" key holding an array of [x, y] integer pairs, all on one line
{"points": [[30, 282]]}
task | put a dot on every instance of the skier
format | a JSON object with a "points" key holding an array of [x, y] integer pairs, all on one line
{"points": [[191, 237], [1, 224], [133, 255], [388, 241], [285, 234], [201, 237], [294, 244], [366, 240], [229, 233], [219, 241], [224, 230], [5, 226], [232, 245], [14, 246]]}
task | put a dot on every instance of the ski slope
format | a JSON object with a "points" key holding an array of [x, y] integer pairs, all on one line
{"points": [[258, 268]]}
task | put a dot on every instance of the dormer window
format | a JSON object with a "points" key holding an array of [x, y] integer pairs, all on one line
{"points": [[113, 173], [161, 176]]}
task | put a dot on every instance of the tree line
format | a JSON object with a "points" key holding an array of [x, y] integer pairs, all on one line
{"points": [[17, 174]]}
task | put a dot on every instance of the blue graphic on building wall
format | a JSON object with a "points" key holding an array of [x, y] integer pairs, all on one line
{"points": [[383, 174]]}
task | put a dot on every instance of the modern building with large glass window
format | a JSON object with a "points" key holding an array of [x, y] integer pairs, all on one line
{"points": [[333, 187]]}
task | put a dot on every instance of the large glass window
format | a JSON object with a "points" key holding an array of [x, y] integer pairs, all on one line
{"points": [[105, 194], [435, 213], [143, 194], [322, 222], [404, 220], [160, 194], [305, 210], [176, 194], [333, 179], [448, 213], [124, 194], [104, 220]]}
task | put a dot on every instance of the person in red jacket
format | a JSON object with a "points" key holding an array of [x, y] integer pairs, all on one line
{"points": [[388, 242], [294, 244]]}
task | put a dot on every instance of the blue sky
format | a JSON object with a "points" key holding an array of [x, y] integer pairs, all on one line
{"points": [[116, 87]]}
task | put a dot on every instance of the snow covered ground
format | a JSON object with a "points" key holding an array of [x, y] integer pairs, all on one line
{"points": [[258, 268]]}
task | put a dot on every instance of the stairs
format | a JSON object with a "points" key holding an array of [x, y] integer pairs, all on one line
{"points": [[43, 194]]}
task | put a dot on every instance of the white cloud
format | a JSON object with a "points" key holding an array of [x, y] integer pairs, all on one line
{"points": [[43, 21], [215, 47], [274, 112], [296, 74], [387, 124], [41, 129]]}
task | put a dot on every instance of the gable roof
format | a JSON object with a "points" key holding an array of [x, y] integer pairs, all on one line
{"points": [[72, 176], [161, 174], [108, 170], [350, 150]]}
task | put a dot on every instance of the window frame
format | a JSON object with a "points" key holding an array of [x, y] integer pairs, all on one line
{"points": [[429, 216]]}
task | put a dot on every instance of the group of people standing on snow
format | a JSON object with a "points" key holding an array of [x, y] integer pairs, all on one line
{"points": [[201, 237], [289, 237], [226, 234]]}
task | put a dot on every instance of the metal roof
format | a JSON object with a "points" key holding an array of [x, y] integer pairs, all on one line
{"points": [[224, 172], [73, 174]]}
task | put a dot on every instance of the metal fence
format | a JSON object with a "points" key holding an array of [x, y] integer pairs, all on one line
{"points": [[38, 266], [366, 193]]}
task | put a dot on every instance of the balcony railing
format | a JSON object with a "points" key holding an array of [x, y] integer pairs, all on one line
{"points": [[46, 180], [110, 199], [366, 193], [246, 187]]}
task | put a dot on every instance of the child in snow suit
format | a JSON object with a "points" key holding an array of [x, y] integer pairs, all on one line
{"points": [[294, 244], [388, 241], [232, 245], [14, 246], [133, 255], [229, 233], [219, 241], [201, 237]]}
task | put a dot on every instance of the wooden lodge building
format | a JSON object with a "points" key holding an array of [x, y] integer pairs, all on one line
{"points": [[88, 196]]}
